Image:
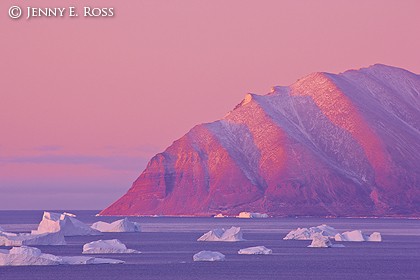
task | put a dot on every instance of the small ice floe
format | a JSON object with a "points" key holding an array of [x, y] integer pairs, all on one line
{"points": [[309, 233], [358, 236], [257, 250], [249, 215], [208, 256], [69, 214], [89, 260], [20, 239], [220, 215], [23, 256], [113, 246], [123, 225], [220, 234], [68, 225]]}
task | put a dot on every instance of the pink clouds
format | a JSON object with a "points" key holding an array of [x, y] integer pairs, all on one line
{"points": [[146, 76]]}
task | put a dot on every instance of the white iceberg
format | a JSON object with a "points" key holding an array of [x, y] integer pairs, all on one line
{"points": [[113, 246], [309, 233], [257, 250], [26, 256], [20, 239], [70, 214], [220, 234], [248, 215], [358, 236], [123, 225], [23, 256], [320, 241], [375, 237], [208, 256], [355, 235], [68, 225], [220, 215], [332, 233]]}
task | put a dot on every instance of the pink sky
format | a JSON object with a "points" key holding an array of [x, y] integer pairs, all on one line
{"points": [[85, 103]]}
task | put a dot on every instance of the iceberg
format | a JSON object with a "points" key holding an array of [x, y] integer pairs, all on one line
{"points": [[113, 246], [20, 239], [123, 225], [24, 255], [248, 215], [358, 236], [257, 250], [332, 233], [309, 233], [208, 256], [68, 225], [220, 234], [320, 241], [355, 235], [375, 237], [70, 214], [219, 216]]}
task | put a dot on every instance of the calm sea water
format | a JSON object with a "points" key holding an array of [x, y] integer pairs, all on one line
{"points": [[168, 244]]}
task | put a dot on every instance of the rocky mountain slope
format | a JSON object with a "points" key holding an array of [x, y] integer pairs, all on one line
{"points": [[342, 145]]}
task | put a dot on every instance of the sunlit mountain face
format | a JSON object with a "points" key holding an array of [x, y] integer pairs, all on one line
{"points": [[330, 144]]}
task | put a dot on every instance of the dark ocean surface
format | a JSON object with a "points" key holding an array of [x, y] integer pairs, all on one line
{"points": [[168, 244]]}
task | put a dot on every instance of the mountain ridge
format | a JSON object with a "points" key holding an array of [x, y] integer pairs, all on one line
{"points": [[329, 144]]}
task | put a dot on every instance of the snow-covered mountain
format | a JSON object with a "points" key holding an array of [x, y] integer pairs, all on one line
{"points": [[346, 145]]}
